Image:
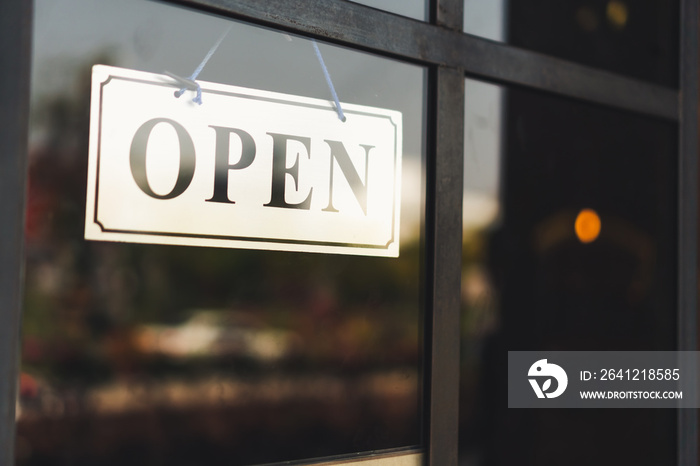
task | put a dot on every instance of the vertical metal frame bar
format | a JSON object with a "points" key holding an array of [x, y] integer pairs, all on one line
{"points": [[445, 184], [688, 216], [15, 56], [445, 180], [449, 14]]}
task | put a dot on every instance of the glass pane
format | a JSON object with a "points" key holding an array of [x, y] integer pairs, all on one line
{"points": [[637, 39], [416, 9], [486, 18], [154, 354], [531, 281]]}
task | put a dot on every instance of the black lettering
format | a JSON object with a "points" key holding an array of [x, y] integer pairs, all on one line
{"points": [[137, 158], [359, 189], [280, 171], [222, 160]]}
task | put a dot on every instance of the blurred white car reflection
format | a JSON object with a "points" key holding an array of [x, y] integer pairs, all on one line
{"points": [[210, 333]]}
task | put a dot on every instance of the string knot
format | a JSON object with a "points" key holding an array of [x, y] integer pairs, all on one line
{"points": [[191, 83]]}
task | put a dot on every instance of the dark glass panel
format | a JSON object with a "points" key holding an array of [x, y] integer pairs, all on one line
{"points": [[530, 283]]}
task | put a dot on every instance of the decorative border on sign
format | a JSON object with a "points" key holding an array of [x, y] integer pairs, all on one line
{"points": [[240, 238]]}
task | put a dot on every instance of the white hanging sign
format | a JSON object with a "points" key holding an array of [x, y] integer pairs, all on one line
{"points": [[246, 169]]}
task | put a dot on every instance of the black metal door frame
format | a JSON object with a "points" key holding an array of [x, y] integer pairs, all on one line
{"points": [[15, 58], [450, 56]]}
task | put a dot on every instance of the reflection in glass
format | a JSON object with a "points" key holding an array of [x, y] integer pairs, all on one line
{"points": [[486, 18], [144, 354], [632, 38], [416, 9], [483, 134], [570, 172]]}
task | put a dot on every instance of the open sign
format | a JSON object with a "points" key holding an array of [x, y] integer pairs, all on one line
{"points": [[247, 169]]}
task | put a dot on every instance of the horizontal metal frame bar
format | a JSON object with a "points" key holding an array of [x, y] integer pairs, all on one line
{"points": [[350, 24]]}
